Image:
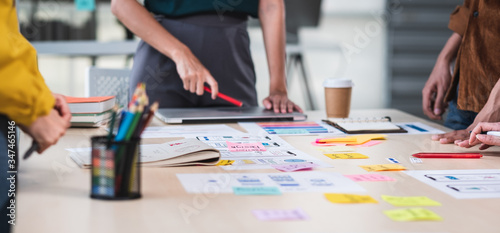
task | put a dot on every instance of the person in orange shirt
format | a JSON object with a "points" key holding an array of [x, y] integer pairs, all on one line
{"points": [[25, 101], [472, 92]]}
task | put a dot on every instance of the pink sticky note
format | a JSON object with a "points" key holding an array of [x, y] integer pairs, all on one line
{"points": [[370, 143], [291, 167], [235, 147], [280, 215], [369, 177], [327, 144]]}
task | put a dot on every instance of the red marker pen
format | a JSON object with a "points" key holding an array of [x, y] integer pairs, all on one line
{"points": [[448, 155], [225, 97]]}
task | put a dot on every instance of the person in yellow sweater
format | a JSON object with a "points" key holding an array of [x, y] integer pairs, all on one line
{"points": [[25, 101]]}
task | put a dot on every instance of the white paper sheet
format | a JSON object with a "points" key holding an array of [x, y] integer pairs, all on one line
{"points": [[287, 182], [462, 184], [255, 129], [418, 128], [189, 131], [278, 152], [411, 127]]}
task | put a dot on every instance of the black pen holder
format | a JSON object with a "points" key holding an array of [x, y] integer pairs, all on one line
{"points": [[116, 171]]}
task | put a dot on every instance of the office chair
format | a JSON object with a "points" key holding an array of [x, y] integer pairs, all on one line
{"points": [[106, 82]]}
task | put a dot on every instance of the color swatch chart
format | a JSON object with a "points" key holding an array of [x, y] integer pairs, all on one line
{"points": [[103, 174], [301, 128]]}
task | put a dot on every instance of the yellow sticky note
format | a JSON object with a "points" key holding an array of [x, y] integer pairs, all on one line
{"points": [[347, 156], [337, 140], [224, 162], [412, 214], [333, 149], [248, 161], [352, 140], [383, 167], [410, 201], [360, 139], [343, 198]]}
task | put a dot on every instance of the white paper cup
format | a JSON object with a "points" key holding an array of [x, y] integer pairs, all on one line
{"points": [[338, 97]]}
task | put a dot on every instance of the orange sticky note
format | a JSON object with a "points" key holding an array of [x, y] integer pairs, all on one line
{"points": [[383, 167]]}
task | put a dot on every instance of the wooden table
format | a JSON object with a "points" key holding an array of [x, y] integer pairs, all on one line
{"points": [[53, 194]]}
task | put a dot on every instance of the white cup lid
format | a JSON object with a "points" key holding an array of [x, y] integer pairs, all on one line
{"points": [[338, 83]]}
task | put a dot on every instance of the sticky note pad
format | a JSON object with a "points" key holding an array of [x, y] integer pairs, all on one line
{"points": [[364, 138], [369, 144], [256, 191], [383, 167], [236, 147], [224, 163], [280, 215], [412, 214], [347, 156], [333, 149], [410, 201], [369, 177], [327, 144], [343, 198], [291, 167], [337, 140]]}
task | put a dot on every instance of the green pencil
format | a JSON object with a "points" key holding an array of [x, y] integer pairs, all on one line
{"points": [[135, 121]]}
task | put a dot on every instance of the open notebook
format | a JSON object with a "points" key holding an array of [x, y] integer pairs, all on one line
{"points": [[365, 125], [175, 153]]}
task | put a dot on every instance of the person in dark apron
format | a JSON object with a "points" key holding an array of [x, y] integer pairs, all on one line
{"points": [[188, 44]]}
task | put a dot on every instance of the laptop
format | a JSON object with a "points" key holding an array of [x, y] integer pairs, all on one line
{"points": [[224, 115]]}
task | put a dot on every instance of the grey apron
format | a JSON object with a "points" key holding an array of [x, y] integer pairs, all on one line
{"points": [[223, 47]]}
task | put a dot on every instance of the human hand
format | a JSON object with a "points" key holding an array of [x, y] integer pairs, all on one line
{"points": [[62, 107], [279, 102], [435, 89], [452, 137], [485, 140], [47, 130], [193, 74]]}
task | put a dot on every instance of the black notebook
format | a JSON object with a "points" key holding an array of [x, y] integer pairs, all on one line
{"points": [[365, 125]]}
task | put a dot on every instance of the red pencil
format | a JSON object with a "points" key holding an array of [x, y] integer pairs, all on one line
{"points": [[448, 155], [225, 97]]}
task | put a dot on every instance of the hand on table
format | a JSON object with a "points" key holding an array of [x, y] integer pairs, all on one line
{"points": [[280, 103], [452, 137]]}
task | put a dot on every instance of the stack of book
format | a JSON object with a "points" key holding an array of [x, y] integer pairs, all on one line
{"points": [[90, 111]]}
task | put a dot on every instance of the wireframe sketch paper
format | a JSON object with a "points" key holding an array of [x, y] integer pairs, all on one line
{"points": [[462, 184], [277, 152], [286, 182]]}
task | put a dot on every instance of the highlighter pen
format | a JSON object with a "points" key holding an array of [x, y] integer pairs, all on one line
{"points": [[448, 155], [225, 97], [493, 133]]}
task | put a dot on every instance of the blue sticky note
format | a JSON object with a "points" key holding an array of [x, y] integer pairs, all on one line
{"points": [[256, 191], [291, 131], [85, 5]]}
